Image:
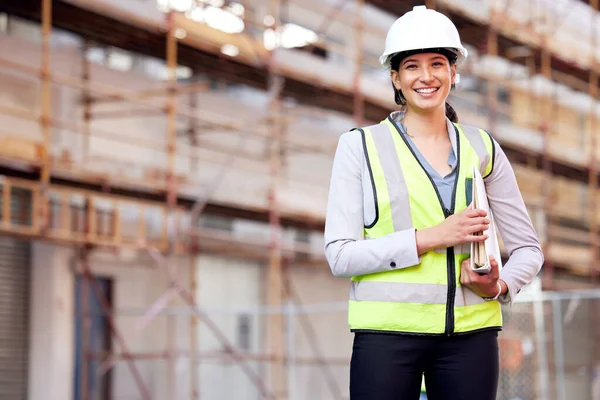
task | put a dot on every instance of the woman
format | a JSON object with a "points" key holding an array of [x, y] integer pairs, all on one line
{"points": [[416, 307]]}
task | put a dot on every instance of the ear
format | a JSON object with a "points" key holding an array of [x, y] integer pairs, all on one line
{"points": [[395, 75], [453, 73]]}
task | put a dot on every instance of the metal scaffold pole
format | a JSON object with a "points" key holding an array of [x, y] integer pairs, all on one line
{"points": [[492, 86], [194, 338], [86, 322], [46, 115], [593, 187], [86, 99], [358, 48], [276, 322], [593, 154], [84, 300], [84, 294], [171, 187], [171, 107], [547, 168]]}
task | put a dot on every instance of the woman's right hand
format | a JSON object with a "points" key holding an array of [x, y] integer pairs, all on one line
{"points": [[462, 227], [459, 228]]}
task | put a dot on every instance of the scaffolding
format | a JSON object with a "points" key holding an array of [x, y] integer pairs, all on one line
{"points": [[53, 217]]}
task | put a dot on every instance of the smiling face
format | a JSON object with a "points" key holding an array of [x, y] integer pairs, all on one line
{"points": [[425, 80]]}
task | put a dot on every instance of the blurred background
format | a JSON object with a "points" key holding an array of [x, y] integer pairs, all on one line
{"points": [[164, 170]]}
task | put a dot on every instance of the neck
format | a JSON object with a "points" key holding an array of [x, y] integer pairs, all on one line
{"points": [[431, 124]]}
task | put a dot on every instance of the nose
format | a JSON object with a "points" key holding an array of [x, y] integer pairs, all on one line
{"points": [[426, 75]]}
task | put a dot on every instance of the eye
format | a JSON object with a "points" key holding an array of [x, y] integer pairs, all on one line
{"points": [[410, 66], [437, 64]]}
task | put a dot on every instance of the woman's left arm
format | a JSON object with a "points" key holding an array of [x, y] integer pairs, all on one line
{"points": [[518, 234]]}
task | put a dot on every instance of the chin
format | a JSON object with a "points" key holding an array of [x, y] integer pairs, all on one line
{"points": [[428, 106]]}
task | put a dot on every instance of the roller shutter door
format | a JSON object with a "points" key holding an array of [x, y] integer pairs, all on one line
{"points": [[15, 269]]}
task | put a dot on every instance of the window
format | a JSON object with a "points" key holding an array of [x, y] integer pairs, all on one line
{"points": [[290, 36], [157, 68], [243, 332], [216, 222], [96, 55], [503, 95], [119, 60], [3, 23], [113, 58], [302, 235], [583, 132], [23, 29]]}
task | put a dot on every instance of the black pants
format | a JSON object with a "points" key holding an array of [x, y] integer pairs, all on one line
{"points": [[390, 367]]}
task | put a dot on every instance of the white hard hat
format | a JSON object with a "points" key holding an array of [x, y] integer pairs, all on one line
{"points": [[422, 28]]}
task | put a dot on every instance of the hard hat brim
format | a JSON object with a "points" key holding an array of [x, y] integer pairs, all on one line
{"points": [[461, 54]]}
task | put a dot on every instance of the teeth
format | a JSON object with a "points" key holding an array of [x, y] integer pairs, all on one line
{"points": [[429, 90]]}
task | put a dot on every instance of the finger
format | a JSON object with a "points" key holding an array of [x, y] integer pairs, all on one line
{"points": [[465, 265], [476, 212], [468, 211], [464, 274], [477, 228], [476, 238], [469, 276], [495, 268], [478, 221], [465, 262], [477, 279]]}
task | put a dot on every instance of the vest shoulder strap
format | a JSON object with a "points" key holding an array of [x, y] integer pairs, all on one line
{"points": [[387, 181], [483, 144], [375, 129]]}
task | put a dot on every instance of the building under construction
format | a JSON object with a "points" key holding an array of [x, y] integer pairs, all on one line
{"points": [[164, 170]]}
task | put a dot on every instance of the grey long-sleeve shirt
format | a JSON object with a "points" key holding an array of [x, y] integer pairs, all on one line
{"points": [[351, 206]]}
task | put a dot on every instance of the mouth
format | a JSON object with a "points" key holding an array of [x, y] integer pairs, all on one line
{"points": [[427, 91]]}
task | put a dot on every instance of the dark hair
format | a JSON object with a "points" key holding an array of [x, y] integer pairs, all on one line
{"points": [[451, 113], [395, 65]]}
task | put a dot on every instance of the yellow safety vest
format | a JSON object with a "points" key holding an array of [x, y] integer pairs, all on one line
{"points": [[426, 298]]}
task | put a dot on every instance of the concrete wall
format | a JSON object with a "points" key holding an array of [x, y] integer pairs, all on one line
{"points": [[231, 290], [51, 324]]}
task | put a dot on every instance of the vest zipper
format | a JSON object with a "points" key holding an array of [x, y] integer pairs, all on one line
{"points": [[451, 291], [450, 250]]}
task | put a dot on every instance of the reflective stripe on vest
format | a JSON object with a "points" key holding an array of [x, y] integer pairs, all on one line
{"points": [[426, 298]]}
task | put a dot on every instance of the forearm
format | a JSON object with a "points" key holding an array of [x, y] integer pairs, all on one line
{"points": [[522, 266], [348, 257]]}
